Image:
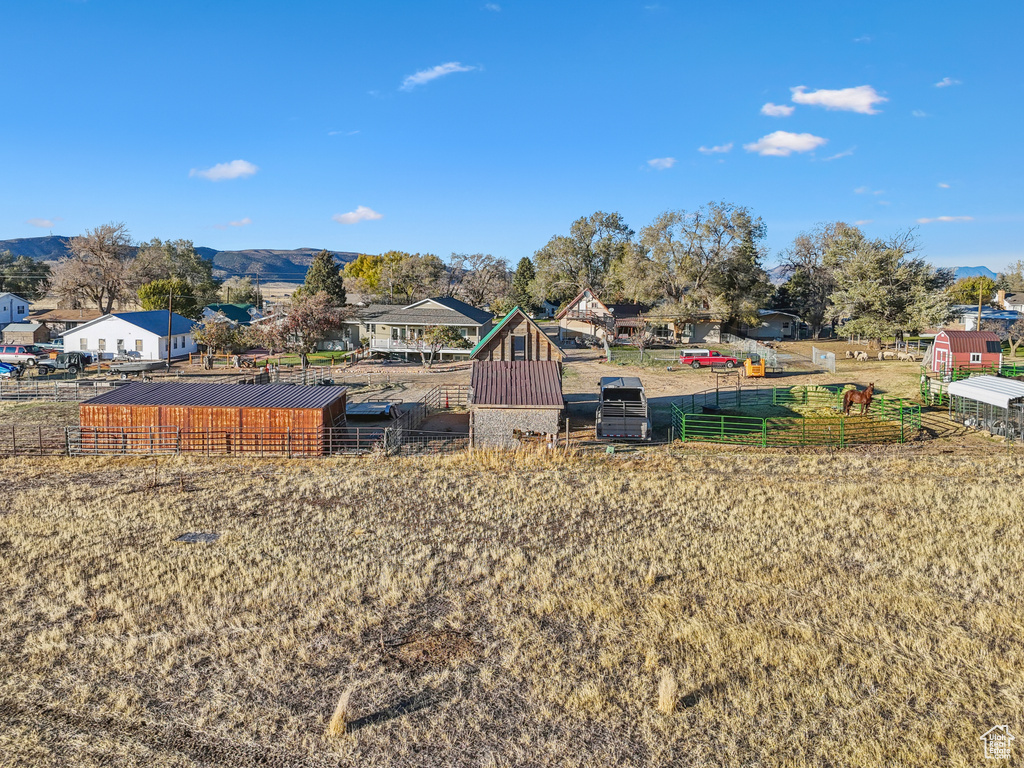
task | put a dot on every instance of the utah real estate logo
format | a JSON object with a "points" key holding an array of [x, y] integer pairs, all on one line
{"points": [[997, 742]]}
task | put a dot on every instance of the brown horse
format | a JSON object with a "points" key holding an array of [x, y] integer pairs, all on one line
{"points": [[853, 397]]}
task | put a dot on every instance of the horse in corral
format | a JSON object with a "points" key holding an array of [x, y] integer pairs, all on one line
{"points": [[853, 397]]}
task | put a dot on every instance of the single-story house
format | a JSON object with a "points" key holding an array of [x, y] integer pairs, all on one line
{"points": [[25, 333], [142, 335], [236, 314], [13, 309], [511, 400], [548, 309], [965, 317], [774, 325], [1009, 300], [964, 349], [516, 337], [400, 329], [60, 320], [355, 328]]}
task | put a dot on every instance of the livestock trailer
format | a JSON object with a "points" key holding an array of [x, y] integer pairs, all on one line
{"points": [[623, 413], [218, 418]]}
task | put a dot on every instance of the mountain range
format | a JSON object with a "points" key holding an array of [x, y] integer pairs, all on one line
{"points": [[288, 266], [779, 275]]}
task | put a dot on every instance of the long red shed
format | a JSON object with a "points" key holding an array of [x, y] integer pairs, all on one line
{"points": [[966, 349], [221, 418]]}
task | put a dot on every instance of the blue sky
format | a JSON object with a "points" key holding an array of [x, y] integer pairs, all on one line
{"points": [[489, 126]]}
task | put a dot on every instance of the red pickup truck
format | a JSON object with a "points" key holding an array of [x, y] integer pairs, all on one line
{"points": [[698, 357]]}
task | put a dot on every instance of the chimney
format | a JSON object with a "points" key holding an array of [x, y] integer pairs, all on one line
{"points": [[1001, 298]]}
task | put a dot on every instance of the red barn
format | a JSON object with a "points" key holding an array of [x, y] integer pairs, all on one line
{"points": [[966, 349]]}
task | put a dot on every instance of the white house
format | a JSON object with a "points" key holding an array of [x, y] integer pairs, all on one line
{"points": [[142, 335], [779, 326], [13, 309]]}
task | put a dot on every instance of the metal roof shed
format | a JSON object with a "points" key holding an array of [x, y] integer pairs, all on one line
{"points": [[223, 418], [992, 403], [513, 399]]}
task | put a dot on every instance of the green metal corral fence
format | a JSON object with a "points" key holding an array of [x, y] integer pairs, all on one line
{"points": [[888, 421]]}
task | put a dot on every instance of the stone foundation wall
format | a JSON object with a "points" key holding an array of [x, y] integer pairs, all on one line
{"points": [[493, 427]]}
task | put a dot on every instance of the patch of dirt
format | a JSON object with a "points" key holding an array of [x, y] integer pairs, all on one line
{"points": [[441, 649]]}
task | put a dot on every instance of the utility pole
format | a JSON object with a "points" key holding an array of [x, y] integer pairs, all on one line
{"points": [[259, 296], [981, 290], [170, 315]]}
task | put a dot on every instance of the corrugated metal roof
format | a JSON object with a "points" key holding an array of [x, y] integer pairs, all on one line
{"points": [[993, 390], [221, 395], [23, 327], [517, 384], [972, 341]]}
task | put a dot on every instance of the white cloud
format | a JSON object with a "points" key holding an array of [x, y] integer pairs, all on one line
{"points": [[943, 185], [361, 213], [845, 153], [867, 190], [492, 7], [41, 223], [719, 149], [661, 163], [241, 222], [919, 113], [236, 169], [945, 219], [777, 110], [862, 222], [784, 143], [862, 39], [426, 75], [860, 99], [946, 82], [342, 133]]}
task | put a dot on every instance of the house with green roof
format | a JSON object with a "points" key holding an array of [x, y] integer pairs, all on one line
{"points": [[236, 314]]}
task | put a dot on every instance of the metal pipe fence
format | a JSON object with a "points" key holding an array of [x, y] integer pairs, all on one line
{"points": [[888, 419]]}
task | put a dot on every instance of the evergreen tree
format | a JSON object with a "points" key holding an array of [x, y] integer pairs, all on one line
{"points": [[524, 276], [324, 275]]}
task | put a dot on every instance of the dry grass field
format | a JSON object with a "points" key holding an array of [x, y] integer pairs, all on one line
{"points": [[673, 608]]}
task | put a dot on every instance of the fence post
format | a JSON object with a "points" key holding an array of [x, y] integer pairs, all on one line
{"points": [[764, 433], [842, 424], [288, 443], [901, 423]]}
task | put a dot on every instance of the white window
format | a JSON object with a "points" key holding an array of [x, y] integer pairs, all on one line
{"points": [[348, 334], [138, 345], [182, 342], [101, 345], [975, 357], [175, 342], [462, 332], [21, 309], [83, 343]]}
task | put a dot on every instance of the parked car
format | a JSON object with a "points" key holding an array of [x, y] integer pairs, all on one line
{"points": [[20, 354], [698, 357], [72, 362], [10, 371]]}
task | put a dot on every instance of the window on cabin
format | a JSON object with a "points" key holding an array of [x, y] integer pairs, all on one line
{"points": [[83, 343], [138, 345], [101, 345], [975, 357], [21, 309], [175, 342]]}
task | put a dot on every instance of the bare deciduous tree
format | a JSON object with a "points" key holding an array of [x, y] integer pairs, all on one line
{"points": [[101, 270]]}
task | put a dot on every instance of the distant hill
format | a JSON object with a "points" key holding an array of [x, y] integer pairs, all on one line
{"points": [[959, 272], [287, 266], [779, 275]]}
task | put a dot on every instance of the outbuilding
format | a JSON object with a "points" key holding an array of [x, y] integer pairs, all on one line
{"points": [[992, 403], [220, 418], [25, 333], [977, 350], [514, 399]]}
